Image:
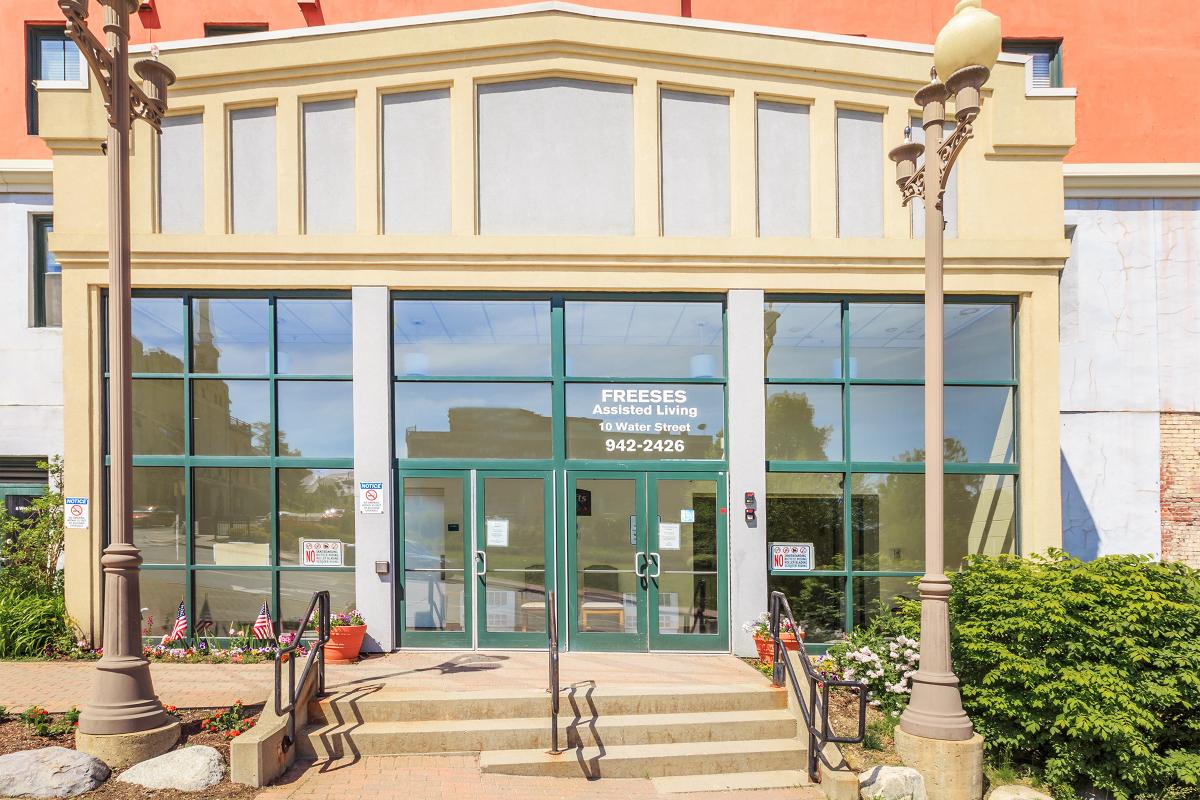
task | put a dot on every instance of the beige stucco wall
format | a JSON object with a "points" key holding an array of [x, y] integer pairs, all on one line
{"points": [[1010, 196]]}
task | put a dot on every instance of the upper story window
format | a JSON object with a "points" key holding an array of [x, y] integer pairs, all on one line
{"points": [[252, 170], [1047, 60], [47, 276], [859, 174], [232, 28], [51, 59]]}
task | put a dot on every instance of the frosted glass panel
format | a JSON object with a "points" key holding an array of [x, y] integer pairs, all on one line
{"points": [[860, 174], [949, 202], [253, 169], [695, 164], [329, 167], [784, 190], [556, 157], [181, 175], [416, 162]]}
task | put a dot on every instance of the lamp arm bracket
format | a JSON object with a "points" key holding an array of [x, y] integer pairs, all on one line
{"points": [[913, 188], [99, 60], [141, 106], [948, 152]]}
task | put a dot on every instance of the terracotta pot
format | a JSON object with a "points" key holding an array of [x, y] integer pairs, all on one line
{"points": [[766, 648], [344, 643]]}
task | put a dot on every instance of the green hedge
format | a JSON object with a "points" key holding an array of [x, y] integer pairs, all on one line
{"points": [[1090, 672], [32, 625]]}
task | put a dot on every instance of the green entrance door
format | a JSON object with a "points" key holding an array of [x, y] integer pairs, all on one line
{"points": [[646, 556], [434, 547], [513, 545]]}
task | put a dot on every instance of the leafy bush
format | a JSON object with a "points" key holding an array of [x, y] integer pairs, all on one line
{"points": [[30, 548], [884, 662], [31, 625], [1088, 671]]}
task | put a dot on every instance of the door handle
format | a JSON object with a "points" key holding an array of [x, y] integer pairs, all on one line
{"points": [[481, 557], [657, 565], [638, 564]]}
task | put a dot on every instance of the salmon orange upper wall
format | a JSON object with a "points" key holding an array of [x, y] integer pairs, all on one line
{"points": [[1131, 62]]}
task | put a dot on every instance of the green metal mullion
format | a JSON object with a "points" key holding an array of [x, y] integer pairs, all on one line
{"points": [[886, 382], [189, 494], [273, 448], [467, 379], [558, 392], [807, 466], [636, 379], [981, 384], [189, 584], [957, 468], [847, 476], [800, 381]]}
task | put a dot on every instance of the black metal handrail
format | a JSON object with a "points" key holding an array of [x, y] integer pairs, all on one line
{"points": [[552, 635], [817, 708], [318, 607]]}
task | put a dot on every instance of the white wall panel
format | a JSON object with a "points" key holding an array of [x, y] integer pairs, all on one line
{"points": [[555, 157], [860, 174], [253, 170], [784, 166], [181, 175], [329, 205], [695, 164], [416, 162]]}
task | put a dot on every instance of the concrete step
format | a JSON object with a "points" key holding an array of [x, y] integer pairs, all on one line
{"points": [[772, 779], [650, 760], [384, 704], [335, 740]]}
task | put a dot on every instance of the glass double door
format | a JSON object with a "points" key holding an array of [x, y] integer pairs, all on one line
{"points": [[646, 555]]}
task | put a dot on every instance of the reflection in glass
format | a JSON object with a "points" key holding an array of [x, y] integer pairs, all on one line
{"points": [[158, 417], [876, 596], [232, 524], [315, 504], [514, 538], [645, 339], [979, 424], [887, 521], [313, 337], [606, 555], [980, 516], [887, 340], [232, 418], [887, 423], [227, 601], [316, 419], [645, 422], [157, 328], [803, 340], [471, 337], [979, 342], [230, 336], [807, 507], [818, 604], [296, 589], [472, 420], [686, 544], [159, 524], [434, 558], [804, 423], [162, 590]]}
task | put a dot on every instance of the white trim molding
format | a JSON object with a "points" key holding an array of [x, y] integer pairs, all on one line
{"points": [[26, 176], [1131, 180]]}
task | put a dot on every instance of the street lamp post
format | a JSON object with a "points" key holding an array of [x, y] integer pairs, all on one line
{"points": [[124, 720], [966, 50]]}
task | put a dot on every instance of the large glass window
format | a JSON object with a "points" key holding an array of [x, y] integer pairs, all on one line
{"points": [[845, 446], [243, 456]]}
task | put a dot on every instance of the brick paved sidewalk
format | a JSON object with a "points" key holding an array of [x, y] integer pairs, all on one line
{"points": [[457, 777]]}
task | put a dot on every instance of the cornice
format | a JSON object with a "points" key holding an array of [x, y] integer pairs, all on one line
{"points": [[1131, 180], [26, 176]]}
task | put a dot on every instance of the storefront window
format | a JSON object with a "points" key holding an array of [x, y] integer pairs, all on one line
{"points": [[223, 386], [645, 339], [471, 337], [472, 420], [861, 506]]}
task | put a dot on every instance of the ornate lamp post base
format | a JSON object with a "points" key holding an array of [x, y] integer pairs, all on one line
{"points": [[953, 770], [120, 750]]}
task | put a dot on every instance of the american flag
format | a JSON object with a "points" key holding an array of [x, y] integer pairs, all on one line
{"points": [[263, 627], [205, 620], [180, 628]]}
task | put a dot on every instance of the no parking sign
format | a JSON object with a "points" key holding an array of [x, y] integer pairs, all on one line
{"points": [[76, 513]]}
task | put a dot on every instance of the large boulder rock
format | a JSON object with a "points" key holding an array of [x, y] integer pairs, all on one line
{"points": [[50, 772], [188, 769], [891, 783], [1015, 792]]}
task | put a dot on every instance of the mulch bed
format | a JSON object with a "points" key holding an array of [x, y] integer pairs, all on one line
{"points": [[15, 736]]}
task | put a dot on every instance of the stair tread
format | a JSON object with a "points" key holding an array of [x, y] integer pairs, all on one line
{"points": [[395, 694], [641, 751], [537, 723], [765, 779]]}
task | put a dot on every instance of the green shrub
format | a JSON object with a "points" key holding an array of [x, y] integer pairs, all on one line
{"points": [[32, 626], [30, 548], [1090, 672], [884, 662]]}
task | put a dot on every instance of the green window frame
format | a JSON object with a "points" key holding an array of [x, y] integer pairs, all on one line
{"points": [[46, 275], [846, 468], [271, 462], [1049, 49]]}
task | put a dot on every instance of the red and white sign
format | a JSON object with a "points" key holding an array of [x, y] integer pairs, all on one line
{"points": [[792, 556], [320, 553], [76, 514]]}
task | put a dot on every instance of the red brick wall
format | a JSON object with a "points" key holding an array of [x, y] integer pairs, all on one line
{"points": [[1179, 439]]}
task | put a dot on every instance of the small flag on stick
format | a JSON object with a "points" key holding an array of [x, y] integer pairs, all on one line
{"points": [[180, 628], [264, 628]]}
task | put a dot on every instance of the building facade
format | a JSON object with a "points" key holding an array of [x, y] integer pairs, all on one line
{"points": [[449, 313]]}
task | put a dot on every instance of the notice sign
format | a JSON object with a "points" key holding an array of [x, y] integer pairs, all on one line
{"points": [[668, 535], [76, 514], [370, 498], [320, 553], [792, 556], [497, 533]]}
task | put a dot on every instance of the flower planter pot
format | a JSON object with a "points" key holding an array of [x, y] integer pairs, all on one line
{"points": [[766, 648], [344, 643]]}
